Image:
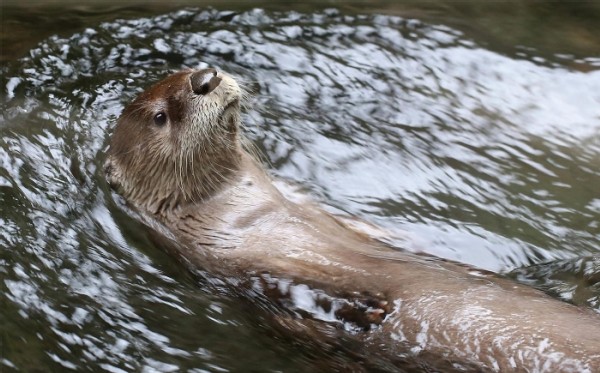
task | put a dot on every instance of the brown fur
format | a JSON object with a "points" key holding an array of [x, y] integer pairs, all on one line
{"points": [[193, 176]]}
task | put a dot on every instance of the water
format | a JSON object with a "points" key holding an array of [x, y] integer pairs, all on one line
{"points": [[481, 147]]}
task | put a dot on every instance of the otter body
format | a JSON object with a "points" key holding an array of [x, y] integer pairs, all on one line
{"points": [[176, 156]]}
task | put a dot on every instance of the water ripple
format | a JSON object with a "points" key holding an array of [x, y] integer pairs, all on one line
{"points": [[482, 158]]}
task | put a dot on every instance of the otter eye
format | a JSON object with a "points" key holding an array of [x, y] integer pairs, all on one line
{"points": [[160, 119]]}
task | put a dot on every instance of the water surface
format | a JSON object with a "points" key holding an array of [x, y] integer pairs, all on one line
{"points": [[468, 139]]}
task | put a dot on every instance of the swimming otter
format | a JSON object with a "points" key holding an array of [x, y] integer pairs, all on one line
{"points": [[176, 155]]}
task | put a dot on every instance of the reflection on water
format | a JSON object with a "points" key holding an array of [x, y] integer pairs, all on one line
{"points": [[575, 280], [466, 153]]}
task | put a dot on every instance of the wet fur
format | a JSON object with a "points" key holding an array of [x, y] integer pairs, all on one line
{"points": [[193, 176]]}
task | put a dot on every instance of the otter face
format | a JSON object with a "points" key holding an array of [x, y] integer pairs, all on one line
{"points": [[177, 139]]}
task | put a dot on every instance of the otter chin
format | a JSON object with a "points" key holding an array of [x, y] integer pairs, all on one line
{"points": [[176, 156]]}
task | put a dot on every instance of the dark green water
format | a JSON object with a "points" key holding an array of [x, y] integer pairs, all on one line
{"points": [[472, 131]]}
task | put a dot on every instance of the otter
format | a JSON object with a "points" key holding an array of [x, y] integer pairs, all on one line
{"points": [[177, 156]]}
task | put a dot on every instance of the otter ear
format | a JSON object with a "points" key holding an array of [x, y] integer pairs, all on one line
{"points": [[111, 173]]}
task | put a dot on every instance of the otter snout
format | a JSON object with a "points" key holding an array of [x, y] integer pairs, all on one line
{"points": [[204, 81]]}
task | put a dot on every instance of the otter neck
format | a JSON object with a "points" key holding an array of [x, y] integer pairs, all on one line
{"points": [[189, 174], [195, 180]]}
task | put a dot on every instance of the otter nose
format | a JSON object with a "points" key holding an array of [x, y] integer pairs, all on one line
{"points": [[204, 81]]}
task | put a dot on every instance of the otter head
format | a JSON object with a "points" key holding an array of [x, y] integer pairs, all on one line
{"points": [[177, 142]]}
